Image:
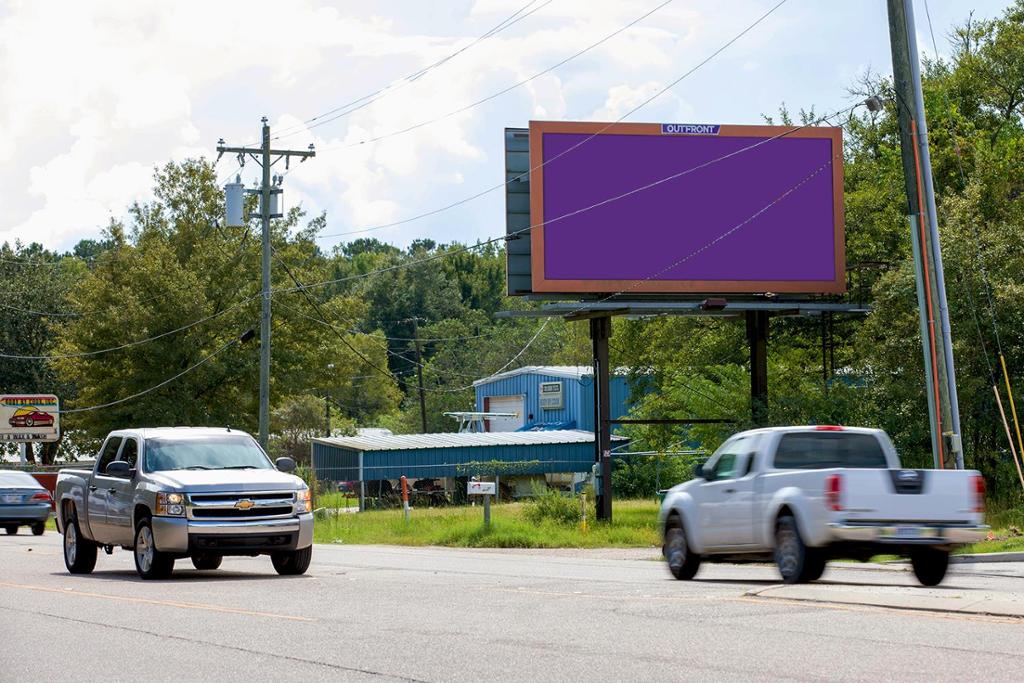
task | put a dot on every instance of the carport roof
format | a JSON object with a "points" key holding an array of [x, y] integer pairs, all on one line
{"points": [[398, 442]]}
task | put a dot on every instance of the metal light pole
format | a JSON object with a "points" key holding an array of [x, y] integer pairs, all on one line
{"points": [[262, 155], [917, 167]]}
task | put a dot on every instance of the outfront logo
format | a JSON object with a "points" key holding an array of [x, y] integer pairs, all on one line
{"points": [[690, 128]]}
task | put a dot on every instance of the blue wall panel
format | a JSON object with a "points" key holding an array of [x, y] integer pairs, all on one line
{"points": [[578, 397]]}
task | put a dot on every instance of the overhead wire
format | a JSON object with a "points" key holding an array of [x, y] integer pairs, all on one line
{"points": [[164, 383], [397, 84], [526, 174]]}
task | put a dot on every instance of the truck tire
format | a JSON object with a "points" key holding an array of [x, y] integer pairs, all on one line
{"points": [[38, 528], [682, 561], [150, 563], [207, 561], [796, 562], [11, 529], [292, 562], [79, 552], [929, 565]]}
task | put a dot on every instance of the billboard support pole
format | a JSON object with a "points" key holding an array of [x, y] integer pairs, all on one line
{"points": [[757, 337], [600, 332]]}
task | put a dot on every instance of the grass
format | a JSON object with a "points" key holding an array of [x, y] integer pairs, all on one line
{"points": [[1007, 532], [336, 499], [634, 525]]}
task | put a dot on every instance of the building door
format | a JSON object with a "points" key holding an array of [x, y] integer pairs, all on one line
{"points": [[506, 404]]}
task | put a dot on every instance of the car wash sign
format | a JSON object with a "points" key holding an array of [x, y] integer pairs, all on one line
{"points": [[29, 417]]}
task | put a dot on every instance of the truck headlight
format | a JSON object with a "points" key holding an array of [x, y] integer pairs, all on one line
{"points": [[171, 504], [303, 501]]}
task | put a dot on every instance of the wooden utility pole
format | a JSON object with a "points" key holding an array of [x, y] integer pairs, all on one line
{"points": [[944, 411], [419, 372], [262, 155]]}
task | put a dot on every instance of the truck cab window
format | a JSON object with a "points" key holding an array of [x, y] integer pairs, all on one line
{"points": [[130, 452], [108, 453], [725, 468]]}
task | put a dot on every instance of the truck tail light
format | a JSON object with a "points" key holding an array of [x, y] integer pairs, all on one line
{"points": [[41, 497], [979, 493], [834, 492]]}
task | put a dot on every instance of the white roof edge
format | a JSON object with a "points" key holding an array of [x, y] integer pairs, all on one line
{"points": [[564, 371]]}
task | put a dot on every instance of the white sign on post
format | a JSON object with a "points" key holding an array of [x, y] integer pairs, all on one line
{"points": [[481, 488], [29, 417]]}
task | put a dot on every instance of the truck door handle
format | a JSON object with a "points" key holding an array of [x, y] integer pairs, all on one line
{"points": [[92, 488], [730, 490], [112, 491]]}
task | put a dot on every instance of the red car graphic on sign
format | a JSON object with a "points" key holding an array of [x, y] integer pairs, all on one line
{"points": [[31, 417]]}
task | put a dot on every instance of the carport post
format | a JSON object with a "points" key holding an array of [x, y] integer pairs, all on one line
{"points": [[362, 485]]}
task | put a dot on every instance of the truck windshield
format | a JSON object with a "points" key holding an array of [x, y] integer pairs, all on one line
{"points": [[207, 453], [821, 450]]}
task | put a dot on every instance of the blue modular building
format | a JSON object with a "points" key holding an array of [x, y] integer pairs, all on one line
{"points": [[547, 396]]}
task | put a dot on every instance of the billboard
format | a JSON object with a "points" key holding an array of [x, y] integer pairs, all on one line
{"points": [[29, 417], [681, 208]]}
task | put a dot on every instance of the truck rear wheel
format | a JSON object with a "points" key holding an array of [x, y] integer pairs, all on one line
{"points": [[796, 562], [682, 561], [38, 528], [150, 563], [207, 561], [292, 562], [929, 565], [79, 552]]}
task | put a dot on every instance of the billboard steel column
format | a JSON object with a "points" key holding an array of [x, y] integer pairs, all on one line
{"points": [[757, 337], [600, 332]]}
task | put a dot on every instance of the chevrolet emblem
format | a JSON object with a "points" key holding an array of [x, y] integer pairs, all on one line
{"points": [[244, 504]]}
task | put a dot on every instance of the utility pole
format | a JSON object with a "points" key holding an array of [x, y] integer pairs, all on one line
{"points": [[944, 410], [419, 372], [262, 156]]}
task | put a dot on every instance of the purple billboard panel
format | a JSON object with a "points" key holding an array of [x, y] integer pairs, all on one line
{"points": [[686, 208]]}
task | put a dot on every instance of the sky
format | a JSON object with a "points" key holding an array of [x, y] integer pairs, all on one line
{"points": [[96, 95]]}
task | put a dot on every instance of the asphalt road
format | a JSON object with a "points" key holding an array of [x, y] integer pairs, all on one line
{"points": [[431, 614]]}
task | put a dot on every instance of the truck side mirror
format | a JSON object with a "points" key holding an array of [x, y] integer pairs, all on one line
{"points": [[698, 471], [118, 468], [285, 464]]}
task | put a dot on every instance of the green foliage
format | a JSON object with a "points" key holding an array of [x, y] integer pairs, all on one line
{"points": [[492, 468], [643, 476], [550, 505]]}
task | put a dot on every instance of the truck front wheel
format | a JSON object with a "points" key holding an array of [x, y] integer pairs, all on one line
{"points": [[292, 562], [150, 563], [79, 552], [929, 565]]}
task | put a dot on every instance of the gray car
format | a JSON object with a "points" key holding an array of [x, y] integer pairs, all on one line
{"points": [[23, 502]]}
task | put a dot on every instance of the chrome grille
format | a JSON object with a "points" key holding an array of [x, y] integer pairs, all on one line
{"points": [[241, 505]]}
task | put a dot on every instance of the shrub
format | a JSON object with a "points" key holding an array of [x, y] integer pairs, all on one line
{"points": [[550, 505]]}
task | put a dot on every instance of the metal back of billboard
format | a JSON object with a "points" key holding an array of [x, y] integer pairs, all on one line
{"points": [[674, 209], [29, 418]]}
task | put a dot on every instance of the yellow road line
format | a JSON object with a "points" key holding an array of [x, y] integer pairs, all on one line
{"points": [[151, 601]]}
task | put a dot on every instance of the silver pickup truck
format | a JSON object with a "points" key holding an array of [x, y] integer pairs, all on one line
{"points": [[176, 492]]}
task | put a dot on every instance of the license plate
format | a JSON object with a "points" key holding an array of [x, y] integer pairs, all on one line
{"points": [[904, 532], [12, 498]]}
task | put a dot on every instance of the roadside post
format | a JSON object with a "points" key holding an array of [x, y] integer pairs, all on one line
{"points": [[485, 489], [405, 497], [583, 512]]}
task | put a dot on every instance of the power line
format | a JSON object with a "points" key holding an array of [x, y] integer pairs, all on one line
{"points": [[644, 103], [161, 384], [84, 354], [400, 83], [501, 92]]}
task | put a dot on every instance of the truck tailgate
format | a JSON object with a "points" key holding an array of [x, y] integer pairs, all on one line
{"points": [[908, 495]]}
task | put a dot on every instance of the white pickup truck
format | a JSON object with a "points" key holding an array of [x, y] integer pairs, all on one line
{"points": [[805, 495], [176, 492]]}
